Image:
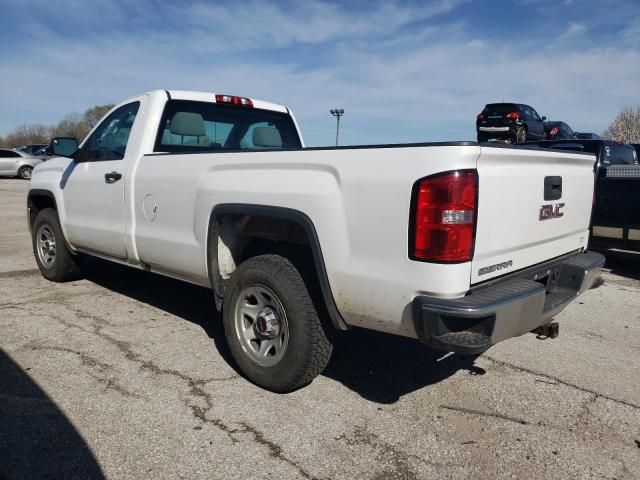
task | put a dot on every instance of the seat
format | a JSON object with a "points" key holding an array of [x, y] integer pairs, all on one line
{"points": [[267, 137], [187, 123]]}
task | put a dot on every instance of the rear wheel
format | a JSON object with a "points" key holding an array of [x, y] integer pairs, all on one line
{"points": [[25, 172], [55, 261], [272, 326], [521, 135]]}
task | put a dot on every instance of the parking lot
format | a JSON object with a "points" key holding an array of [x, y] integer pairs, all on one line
{"points": [[126, 375]]}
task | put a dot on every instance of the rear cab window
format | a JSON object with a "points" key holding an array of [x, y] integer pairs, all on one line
{"points": [[498, 110], [191, 126]]}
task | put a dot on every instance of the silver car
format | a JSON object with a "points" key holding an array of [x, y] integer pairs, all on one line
{"points": [[14, 163]]}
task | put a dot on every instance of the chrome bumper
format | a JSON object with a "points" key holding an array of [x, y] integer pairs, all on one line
{"points": [[504, 309]]}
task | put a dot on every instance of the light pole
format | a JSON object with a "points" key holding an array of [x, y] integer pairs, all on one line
{"points": [[337, 112]]}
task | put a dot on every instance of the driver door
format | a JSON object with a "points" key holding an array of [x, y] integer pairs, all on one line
{"points": [[93, 187]]}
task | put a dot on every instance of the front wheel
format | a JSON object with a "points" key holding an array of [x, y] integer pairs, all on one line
{"points": [[272, 327], [25, 172], [55, 261]]}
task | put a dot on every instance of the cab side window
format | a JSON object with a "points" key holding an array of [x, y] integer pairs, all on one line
{"points": [[535, 115], [8, 154], [109, 140]]}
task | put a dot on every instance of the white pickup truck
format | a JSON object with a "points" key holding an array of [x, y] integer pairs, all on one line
{"points": [[456, 244]]}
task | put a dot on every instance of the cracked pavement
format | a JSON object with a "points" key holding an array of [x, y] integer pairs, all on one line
{"points": [[126, 375]]}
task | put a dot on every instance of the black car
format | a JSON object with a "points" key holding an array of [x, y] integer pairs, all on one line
{"points": [[31, 149], [587, 136], [558, 131], [615, 219], [514, 122]]}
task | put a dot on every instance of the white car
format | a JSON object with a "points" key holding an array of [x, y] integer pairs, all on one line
{"points": [[455, 244], [14, 163]]}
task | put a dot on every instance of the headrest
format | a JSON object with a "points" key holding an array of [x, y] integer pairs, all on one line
{"points": [[266, 137], [187, 123]]}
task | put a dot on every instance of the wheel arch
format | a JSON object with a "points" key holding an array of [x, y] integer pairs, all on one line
{"points": [[37, 200], [274, 216]]}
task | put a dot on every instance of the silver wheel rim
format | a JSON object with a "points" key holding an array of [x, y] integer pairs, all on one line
{"points": [[46, 246], [522, 136], [261, 325], [25, 173]]}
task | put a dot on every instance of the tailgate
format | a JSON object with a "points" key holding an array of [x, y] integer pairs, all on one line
{"points": [[532, 206]]}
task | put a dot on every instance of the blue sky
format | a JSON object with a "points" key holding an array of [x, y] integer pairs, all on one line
{"points": [[403, 71]]}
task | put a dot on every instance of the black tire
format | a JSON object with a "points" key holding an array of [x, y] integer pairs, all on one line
{"points": [[482, 138], [24, 172], [308, 348], [521, 135], [64, 265]]}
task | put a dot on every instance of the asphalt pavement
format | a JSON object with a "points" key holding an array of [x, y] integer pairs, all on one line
{"points": [[125, 374]]}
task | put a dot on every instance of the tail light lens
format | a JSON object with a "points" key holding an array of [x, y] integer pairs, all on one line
{"points": [[554, 131], [444, 221], [513, 115], [480, 116]]}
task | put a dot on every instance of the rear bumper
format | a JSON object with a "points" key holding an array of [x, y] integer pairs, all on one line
{"points": [[502, 132], [505, 308], [494, 129]]}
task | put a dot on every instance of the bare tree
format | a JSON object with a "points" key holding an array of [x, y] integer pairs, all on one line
{"points": [[93, 115], [26, 134], [625, 127], [73, 125]]}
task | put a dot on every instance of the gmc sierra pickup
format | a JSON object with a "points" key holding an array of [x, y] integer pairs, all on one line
{"points": [[456, 244]]}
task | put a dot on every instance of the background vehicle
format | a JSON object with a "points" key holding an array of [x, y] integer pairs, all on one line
{"points": [[43, 152], [514, 122], [32, 149], [14, 163], [616, 212], [587, 136], [219, 191], [556, 130]]}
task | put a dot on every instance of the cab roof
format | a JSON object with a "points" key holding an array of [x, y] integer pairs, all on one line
{"points": [[199, 96]]}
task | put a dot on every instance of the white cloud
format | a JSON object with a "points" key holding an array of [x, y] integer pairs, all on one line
{"points": [[573, 30], [259, 24]]}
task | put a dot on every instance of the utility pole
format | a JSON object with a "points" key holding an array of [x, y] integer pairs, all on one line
{"points": [[337, 112]]}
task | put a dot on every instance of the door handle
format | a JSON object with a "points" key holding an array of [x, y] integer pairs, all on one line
{"points": [[112, 177]]}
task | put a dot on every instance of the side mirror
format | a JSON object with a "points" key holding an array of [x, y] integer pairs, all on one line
{"points": [[544, 119], [62, 146]]}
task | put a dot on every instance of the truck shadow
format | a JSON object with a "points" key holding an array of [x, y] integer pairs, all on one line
{"points": [[36, 438], [379, 367], [623, 263]]}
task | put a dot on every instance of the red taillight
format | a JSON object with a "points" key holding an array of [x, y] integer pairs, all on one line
{"points": [[480, 116], [445, 217], [246, 102], [513, 115], [554, 131]]}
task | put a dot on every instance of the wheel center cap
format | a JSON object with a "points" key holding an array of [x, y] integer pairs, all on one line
{"points": [[267, 323]]}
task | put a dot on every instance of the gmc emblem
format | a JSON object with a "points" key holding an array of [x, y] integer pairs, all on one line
{"points": [[549, 212]]}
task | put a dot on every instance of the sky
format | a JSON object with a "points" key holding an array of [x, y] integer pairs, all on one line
{"points": [[402, 71]]}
